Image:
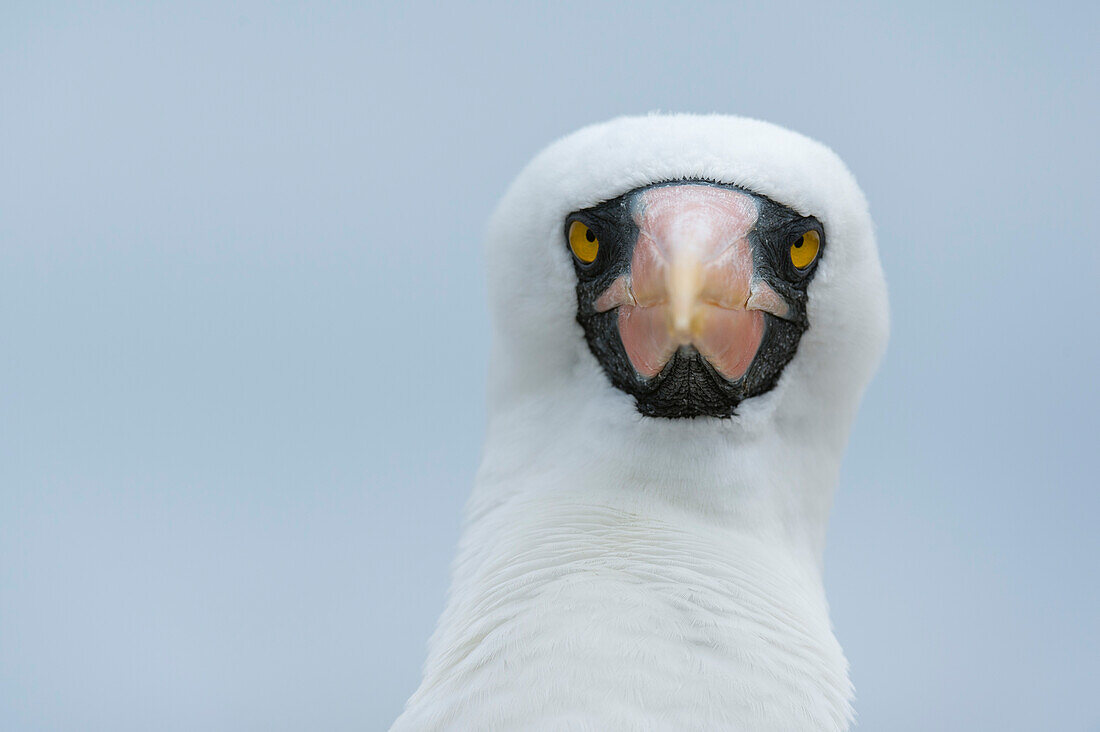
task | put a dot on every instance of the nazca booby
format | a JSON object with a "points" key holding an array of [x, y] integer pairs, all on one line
{"points": [[686, 312]]}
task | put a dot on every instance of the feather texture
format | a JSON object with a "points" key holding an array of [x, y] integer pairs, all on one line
{"points": [[625, 572]]}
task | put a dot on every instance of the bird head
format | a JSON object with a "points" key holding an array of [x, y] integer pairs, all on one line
{"points": [[668, 286], [692, 294]]}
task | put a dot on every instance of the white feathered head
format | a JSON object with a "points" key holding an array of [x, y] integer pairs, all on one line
{"points": [[668, 281]]}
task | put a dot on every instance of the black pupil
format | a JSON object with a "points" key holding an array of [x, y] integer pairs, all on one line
{"points": [[589, 235], [798, 244]]}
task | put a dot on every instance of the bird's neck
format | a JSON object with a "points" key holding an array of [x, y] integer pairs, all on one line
{"points": [[621, 609]]}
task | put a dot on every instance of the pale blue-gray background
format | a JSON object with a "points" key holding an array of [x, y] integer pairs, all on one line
{"points": [[243, 338]]}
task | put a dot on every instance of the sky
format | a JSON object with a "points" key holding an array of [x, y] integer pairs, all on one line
{"points": [[244, 337]]}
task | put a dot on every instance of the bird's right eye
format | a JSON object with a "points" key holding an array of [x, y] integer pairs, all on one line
{"points": [[583, 242]]}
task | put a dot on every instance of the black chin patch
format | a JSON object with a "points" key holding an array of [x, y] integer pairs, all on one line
{"points": [[688, 386]]}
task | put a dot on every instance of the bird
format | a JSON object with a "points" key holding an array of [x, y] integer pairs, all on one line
{"points": [[686, 311]]}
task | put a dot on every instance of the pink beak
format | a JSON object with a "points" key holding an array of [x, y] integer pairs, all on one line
{"points": [[691, 281]]}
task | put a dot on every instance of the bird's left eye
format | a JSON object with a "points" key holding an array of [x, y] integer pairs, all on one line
{"points": [[805, 248], [583, 242]]}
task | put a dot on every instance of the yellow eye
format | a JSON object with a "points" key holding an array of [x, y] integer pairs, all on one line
{"points": [[804, 251], [583, 242]]}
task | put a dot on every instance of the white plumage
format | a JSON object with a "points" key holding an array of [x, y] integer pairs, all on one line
{"points": [[626, 572]]}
